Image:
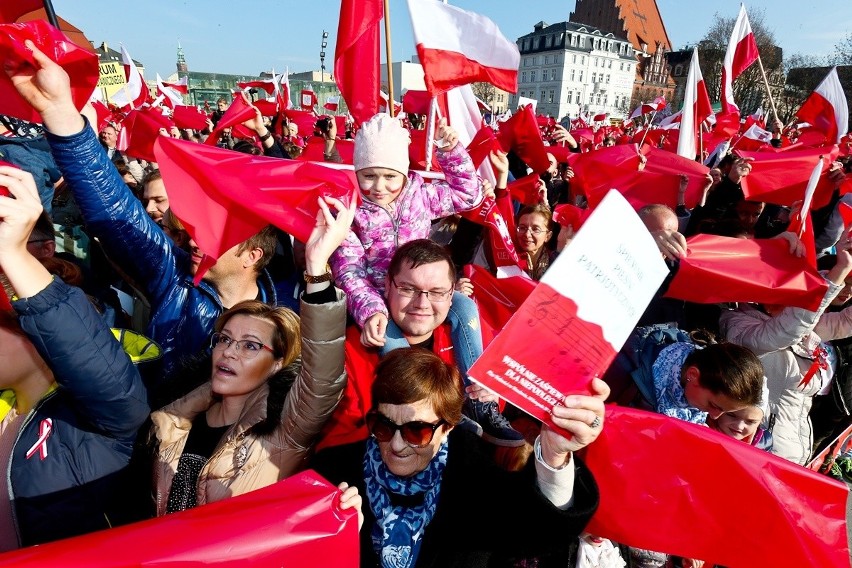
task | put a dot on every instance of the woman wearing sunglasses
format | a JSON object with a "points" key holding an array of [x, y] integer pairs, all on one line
{"points": [[274, 382], [436, 497]]}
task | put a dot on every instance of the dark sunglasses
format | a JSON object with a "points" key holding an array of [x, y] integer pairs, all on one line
{"points": [[415, 433]]}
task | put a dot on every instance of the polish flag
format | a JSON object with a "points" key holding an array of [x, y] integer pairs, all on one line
{"points": [[457, 47], [356, 56], [308, 99], [742, 52], [182, 86], [383, 104], [171, 98], [600, 117], [696, 109], [268, 85], [826, 110], [135, 93], [645, 108], [284, 91], [332, 103], [755, 132]]}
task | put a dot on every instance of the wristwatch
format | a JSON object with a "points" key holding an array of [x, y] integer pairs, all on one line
{"points": [[318, 279]]}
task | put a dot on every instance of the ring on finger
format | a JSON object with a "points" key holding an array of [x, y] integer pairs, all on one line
{"points": [[595, 423]]}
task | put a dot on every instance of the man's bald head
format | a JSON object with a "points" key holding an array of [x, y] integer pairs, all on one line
{"points": [[658, 217]]}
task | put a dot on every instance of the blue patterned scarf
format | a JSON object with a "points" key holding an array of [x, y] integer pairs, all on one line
{"points": [[398, 531]]}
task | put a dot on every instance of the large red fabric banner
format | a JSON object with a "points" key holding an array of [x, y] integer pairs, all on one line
{"points": [[295, 522]]}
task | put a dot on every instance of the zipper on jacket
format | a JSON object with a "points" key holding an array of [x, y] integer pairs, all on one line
{"points": [[27, 420]]}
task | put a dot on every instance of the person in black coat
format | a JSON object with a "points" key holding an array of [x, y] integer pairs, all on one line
{"points": [[436, 497]]}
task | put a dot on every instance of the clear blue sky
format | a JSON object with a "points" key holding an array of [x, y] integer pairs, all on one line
{"points": [[247, 36]]}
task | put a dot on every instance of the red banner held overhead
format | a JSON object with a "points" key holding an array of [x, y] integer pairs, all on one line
{"points": [[291, 523], [725, 269], [80, 64]]}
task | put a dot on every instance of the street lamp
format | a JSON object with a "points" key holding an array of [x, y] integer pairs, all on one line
{"points": [[323, 45]]}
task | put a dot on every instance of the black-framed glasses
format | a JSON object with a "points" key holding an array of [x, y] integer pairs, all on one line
{"points": [[415, 433], [433, 295], [245, 348], [534, 230]]}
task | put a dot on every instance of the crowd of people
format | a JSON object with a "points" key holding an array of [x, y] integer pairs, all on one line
{"points": [[349, 353]]}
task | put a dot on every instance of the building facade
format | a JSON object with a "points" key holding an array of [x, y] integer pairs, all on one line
{"points": [[573, 69], [641, 23]]}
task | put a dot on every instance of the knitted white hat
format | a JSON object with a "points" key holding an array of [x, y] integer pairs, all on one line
{"points": [[382, 142]]}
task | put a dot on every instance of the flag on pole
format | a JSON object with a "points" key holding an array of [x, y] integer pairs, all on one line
{"points": [[742, 52], [136, 91], [308, 99], [171, 98], [826, 109], [332, 104], [182, 86], [284, 91], [457, 47], [696, 109], [356, 56], [268, 85]]}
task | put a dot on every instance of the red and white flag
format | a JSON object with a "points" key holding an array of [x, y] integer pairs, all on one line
{"points": [[826, 109], [696, 109], [383, 104], [182, 86], [356, 56], [268, 85], [135, 93], [742, 52], [645, 108], [332, 103], [308, 99], [600, 117], [457, 47], [755, 132], [284, 91], [170, 97]]}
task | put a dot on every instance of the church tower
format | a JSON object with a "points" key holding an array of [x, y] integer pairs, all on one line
{"points": [[181, 61]]}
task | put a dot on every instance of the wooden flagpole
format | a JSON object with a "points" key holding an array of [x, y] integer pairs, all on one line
{"points": [[388, 56], [768, 90]]}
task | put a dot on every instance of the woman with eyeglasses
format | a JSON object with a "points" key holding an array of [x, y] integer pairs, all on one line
{"points": [[436, 496], [275, 380], [533, 233]]}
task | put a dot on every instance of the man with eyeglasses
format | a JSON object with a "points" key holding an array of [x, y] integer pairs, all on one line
{"points": [[418, 292]]}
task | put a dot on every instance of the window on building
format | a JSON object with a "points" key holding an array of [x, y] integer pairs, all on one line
{"points": [[570, 97], [535, 42], [678, 70], [532, 76], [573, 40], [621, 66], [550, 95], [582, 41], [572, 74], [560, 38], [523, 76], [548, 41], [609, 65], [547, 60], [526, 44], [544, 74], [582, 60], [607, 77], [574, 58], [581, 75]]}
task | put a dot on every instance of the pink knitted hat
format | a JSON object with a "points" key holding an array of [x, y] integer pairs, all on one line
{"points": [[382, 142]]}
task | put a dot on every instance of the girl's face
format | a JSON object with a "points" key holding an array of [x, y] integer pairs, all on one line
{"points": [[740, 424], [533, 232], [380, 185], [705, 400]]}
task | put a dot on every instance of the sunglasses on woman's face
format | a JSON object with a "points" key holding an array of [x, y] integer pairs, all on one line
{"points": [[415, 433]]}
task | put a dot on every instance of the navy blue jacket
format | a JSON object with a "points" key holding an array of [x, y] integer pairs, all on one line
{"points": [[77, 483], [182, 314]]}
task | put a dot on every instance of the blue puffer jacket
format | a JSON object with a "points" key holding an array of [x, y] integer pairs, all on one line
{"points": [[182, 315], [73, 481]]}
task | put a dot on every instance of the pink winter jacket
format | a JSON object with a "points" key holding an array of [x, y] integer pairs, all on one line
{"points": [[361, 262]]}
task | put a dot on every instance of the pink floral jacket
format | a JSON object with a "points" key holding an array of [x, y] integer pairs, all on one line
{"points": [[361, 262]]}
